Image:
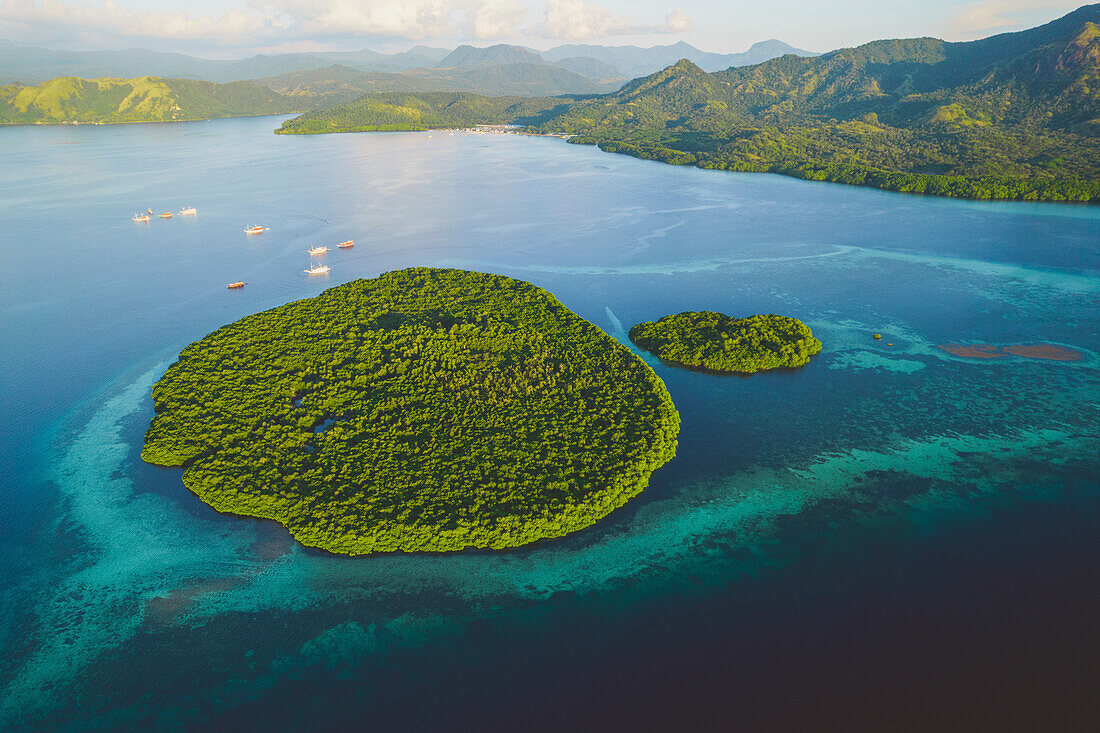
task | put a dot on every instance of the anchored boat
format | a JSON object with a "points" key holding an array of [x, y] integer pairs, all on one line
{"points": [[187, 211], [317, 269], [234, 286], [345, 245], [318, 250], [166, 215], [140, 217], [254, 230]]}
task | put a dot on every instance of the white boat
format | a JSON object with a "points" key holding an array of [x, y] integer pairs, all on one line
{"points": [[187, 211], [254, 230], [318, 250], [317, 270], [140, 217]]}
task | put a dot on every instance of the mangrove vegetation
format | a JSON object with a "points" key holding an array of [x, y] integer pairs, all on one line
{"points": [[424, 409], [717, 342]]}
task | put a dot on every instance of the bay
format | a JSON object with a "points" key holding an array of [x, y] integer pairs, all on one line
{"points": [[891, 530]]}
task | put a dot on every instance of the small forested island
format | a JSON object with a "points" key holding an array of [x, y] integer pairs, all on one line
{"points": [[717, 342], [413, 112], [424, 409]]}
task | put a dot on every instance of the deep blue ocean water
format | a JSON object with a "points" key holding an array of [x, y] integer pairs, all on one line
{"points": [[891, 537]]}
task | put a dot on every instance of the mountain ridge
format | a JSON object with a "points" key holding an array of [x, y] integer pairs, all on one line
{"points": [[29, 64], [337, 84], [1015, 115]]}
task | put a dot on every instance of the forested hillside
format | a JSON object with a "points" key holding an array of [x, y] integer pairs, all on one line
{"points": [[1011, 116], [148, 99], [434, 110]]}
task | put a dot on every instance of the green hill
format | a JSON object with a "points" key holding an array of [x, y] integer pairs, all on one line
{"points": [[433, 110], [1011, 116], [147, 99], [501, 53], [337, 84]]}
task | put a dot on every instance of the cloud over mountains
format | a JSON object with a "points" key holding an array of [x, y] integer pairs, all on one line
{"points": [[286, 23]]}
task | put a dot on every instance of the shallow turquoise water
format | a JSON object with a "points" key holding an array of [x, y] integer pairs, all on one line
{"points": [[126, 602]]}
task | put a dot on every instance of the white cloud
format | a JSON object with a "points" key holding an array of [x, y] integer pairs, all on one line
{"points": [[413, 19], [676, 22], [575, 20], [279, 23], [113, 18], [988, 16], [497, 19]]}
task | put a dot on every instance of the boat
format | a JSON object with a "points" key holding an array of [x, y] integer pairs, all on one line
{"points": [[254, 230], [166, 215], [140, 217], [318, 250], [234, 286], [317, 269], [187, 211], [345, 245], [149, 210]]}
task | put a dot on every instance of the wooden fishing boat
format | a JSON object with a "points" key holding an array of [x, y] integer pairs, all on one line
{"points": [[345, 245], [317, 250], [317, 269], [234, 286], [254, 230]]}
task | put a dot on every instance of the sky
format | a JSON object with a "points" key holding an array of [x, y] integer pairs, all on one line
{"points": [[235, 28]]}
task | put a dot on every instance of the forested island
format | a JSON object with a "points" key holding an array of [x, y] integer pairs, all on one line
{"points": [[424, 409], [402, 111], [1012, 116], [716, 342]]}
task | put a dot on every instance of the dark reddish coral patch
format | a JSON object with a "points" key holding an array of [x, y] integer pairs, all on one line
{"points": [[1045, 351], [974, 351], [1051, 352]]}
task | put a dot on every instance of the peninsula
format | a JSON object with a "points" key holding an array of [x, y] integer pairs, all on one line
{"points": [[424, 409], [717, 342], [73, 100]]}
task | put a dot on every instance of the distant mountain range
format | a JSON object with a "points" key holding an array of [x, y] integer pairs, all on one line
{"points": [[632, 61], [335, 84], [604, 64], [1015, 115], [45, 86], [34, 65]]}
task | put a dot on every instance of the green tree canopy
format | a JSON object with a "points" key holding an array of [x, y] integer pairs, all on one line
{"points": [[424, 409]]}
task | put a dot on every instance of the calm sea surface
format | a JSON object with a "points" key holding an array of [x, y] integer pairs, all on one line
{"points": [[891, 536]]}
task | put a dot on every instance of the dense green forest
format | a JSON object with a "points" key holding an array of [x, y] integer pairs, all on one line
{"points": [[147, 99], [425, 111], [721, 343], [1014, 116], [424, 409]]}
